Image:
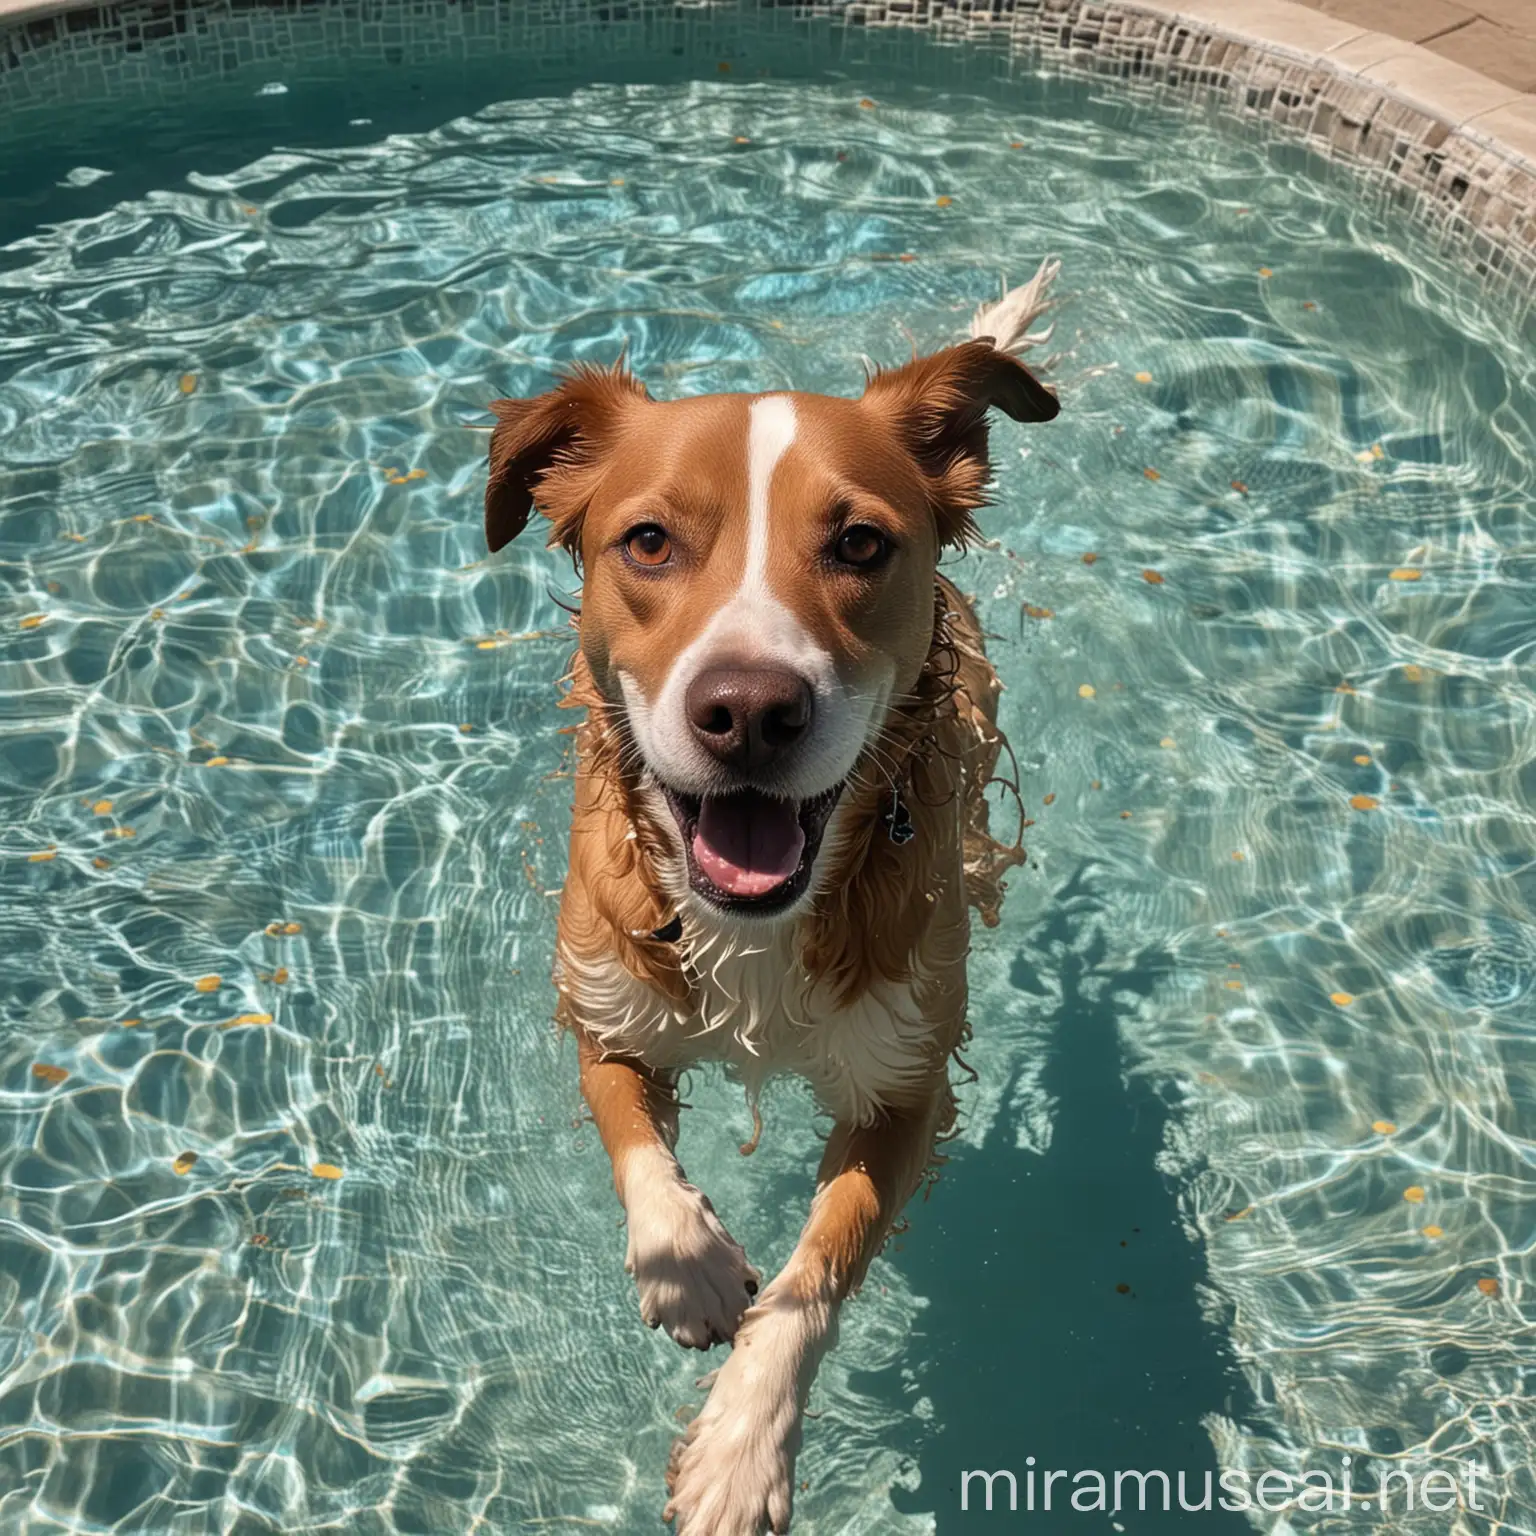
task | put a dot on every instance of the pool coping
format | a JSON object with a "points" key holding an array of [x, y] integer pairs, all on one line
{"points": [[1452, 146]]}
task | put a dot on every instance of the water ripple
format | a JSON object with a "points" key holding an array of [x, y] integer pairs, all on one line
{"points": [[300, 1225]]}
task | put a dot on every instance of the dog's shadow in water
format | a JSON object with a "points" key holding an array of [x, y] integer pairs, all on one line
{"points": [[1032, 1347]]}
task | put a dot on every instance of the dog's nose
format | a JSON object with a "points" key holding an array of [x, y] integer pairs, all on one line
{"points": [[746, 716]]}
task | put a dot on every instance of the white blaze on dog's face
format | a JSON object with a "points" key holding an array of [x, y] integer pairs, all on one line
{"points": [[758, 582]]}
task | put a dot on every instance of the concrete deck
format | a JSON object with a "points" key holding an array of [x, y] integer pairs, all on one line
{"points": [[1495, 37]]}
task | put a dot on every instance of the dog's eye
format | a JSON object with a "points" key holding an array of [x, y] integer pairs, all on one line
{"points": [[862, 547], [648, 545]]}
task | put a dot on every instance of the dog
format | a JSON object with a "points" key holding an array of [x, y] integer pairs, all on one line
{"points": [[779, 823]]}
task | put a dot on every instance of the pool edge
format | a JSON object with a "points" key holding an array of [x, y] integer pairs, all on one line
{"points": [[1453, 148]]}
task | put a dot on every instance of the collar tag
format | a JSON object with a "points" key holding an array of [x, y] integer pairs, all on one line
{"points": [[898, 820]]}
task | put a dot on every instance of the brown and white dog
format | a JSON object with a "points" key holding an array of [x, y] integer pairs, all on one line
{"points": [[779, 820]]}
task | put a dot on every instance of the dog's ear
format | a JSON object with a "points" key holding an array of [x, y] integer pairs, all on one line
{"points": [[541, 447], [937, 406]]}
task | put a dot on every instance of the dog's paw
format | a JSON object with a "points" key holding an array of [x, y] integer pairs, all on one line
{"points": [[692, 1275], [732, 1473]]}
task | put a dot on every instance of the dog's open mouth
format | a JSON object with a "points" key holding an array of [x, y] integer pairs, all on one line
{"points": [[747, 851]]}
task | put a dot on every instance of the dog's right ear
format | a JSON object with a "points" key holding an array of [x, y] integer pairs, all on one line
{"points": [[541, 447]]}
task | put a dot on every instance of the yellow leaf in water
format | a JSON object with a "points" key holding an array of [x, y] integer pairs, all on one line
{"points": [[1049, 800], [417, 474], [280, 975], [103, 808], [208, 983], [325, 1171], [943, 202], [1038, 613], [1414, 1194], [216, 762], [485, 645], [1233, 986], [1089, 558], [464, 730], [1125, 815], [1413, 673], [1383, 1127], [132, 1023], [867, 104], [1152, 578], [1432, 1230], [101, 863], [1364, 456], [1247, 1210], [1363, 758], [1406, 573], [1016, 144], [291, 928], [1265, 272], [248, 1018], [43, 856], [1341, 999], [1237, 485], [1345, 688], [1168, 742], [1152, 474], [122, 832], [723, 67], [33, 620], [48, 1073], [617, 181], [1143, 377], [1377, 451], [1488, 1286], [185, 1162], [1239, 857], [1086, 690], [1364, 802], [1095, 784], [188, 383], [742, 139]]}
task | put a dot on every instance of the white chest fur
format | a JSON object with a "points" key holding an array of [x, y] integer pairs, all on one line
{"points": [[754, 1008]]}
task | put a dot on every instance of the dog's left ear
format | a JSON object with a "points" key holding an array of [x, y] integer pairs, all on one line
{"points": [[938, 407], [541, 446]]}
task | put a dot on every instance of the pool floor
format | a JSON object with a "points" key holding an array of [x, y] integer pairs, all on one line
{"points": [[301, 1228]]}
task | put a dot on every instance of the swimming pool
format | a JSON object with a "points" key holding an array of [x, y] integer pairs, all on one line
{"points": [[301, 1227]]}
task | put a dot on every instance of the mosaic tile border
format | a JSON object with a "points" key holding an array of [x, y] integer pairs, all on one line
{"points": [[1453, 149]]}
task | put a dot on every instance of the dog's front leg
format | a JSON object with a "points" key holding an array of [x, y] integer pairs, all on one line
{"points": [[733, 1473], [692, 1275]]}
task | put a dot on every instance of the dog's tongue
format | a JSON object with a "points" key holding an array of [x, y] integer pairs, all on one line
{"points": [[747, 843]]}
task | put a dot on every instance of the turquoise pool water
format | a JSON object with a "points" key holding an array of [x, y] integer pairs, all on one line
{"points": [[1246, 1177]]}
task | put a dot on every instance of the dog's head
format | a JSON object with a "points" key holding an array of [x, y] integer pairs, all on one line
{"points": [[758, 581]]}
